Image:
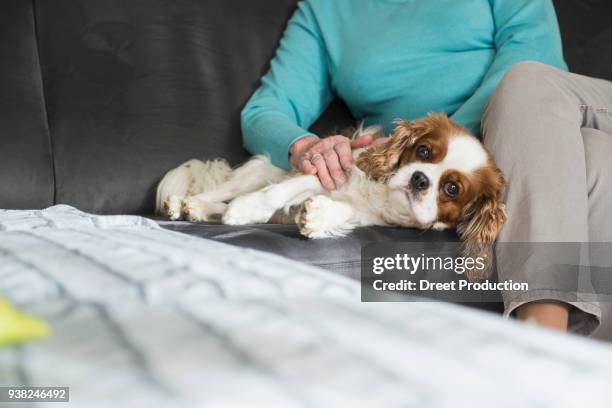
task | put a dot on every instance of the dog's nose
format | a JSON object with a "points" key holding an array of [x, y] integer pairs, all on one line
{"points": [[419, 181]]}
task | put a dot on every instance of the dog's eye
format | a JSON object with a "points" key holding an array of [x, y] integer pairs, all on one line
{"points": [[423, 152], [451, 189]]}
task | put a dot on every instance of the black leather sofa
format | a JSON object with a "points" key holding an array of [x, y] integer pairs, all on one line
{"points": [[100, 98]]}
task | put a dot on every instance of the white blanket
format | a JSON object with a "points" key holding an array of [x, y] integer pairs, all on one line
{"points": [[146, 317]]}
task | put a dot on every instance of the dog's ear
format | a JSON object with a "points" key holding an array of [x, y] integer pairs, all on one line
{"points": [[379, 162], [482, 221]]}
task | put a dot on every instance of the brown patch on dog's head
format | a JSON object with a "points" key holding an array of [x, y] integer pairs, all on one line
{"points": [[430, 134], [483, 218]]}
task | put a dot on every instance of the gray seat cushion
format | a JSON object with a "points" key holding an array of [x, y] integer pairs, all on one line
{"points": [[341, 256]]}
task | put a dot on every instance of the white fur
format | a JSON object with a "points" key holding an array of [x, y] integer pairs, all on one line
{"points": [[253, 192], [440, 226], [327, 218], [359, 202], [370, 130], [259, 206], [189, 179], [198, 190]]}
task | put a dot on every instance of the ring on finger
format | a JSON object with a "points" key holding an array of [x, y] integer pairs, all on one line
{"points": [[316, 157]]}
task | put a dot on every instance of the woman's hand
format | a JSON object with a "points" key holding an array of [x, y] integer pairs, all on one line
{"points": [[328, 158]]}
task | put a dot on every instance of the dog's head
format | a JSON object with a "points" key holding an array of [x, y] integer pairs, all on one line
{"points": [[445, 177]]}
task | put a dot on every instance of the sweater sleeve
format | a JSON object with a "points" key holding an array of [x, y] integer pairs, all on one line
{"points": [[293, 94], [525, 30]]}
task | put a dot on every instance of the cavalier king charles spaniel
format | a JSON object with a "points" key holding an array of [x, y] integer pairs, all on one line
{"points": [[431, 174]]}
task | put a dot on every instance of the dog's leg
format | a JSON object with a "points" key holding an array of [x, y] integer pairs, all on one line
{"points": [[323, 217], [251, 176], [185, 180], [259, 206], [171, 207]]}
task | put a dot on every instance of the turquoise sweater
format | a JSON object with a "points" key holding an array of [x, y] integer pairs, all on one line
{"points": [[394, 58]]}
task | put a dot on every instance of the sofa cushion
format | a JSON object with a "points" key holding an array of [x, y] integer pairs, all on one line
{"points": [[26, 168], [341, 256]]}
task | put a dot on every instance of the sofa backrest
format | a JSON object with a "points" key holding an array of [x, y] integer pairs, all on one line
{"points": [[132, 88], [135, 87], [586, 29], [26, 166]]}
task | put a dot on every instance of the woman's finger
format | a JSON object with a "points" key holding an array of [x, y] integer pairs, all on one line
{"points": [[345, 155], [362, 141], [319, 162], [380, 141], [307, 167], [333, 166]]}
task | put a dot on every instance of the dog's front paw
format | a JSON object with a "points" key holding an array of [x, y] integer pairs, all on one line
{"points": [[321, 217], [248, 209], [172, 208], [196, 210]]}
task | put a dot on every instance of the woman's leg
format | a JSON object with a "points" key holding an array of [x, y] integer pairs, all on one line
{"points": [[533, 127], [554, 315], [598, 155], [598, 152]]}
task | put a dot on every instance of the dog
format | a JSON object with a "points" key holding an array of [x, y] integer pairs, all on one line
{"points": [[430, 174]]}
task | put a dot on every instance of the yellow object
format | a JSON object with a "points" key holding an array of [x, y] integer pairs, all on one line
{"points": [[17, 327]]}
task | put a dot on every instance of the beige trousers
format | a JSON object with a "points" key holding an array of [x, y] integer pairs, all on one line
{"points": [[550, 132]]}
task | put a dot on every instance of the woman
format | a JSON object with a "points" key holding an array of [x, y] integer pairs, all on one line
{"points": [[399, 58]]}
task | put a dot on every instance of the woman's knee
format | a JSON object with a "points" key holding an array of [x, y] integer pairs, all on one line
{"points": [[529, 72], [528, 90], [526, 77], [525, 86]]}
